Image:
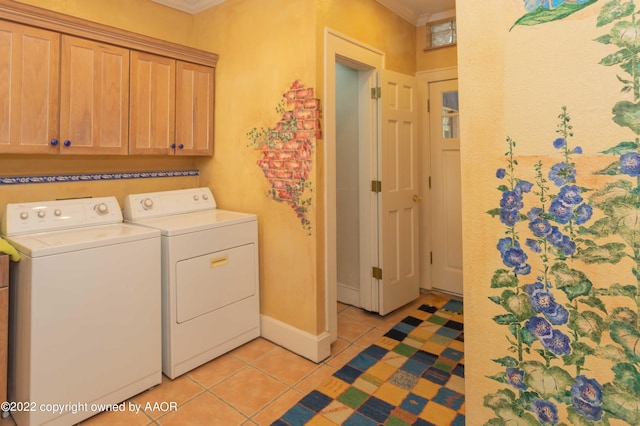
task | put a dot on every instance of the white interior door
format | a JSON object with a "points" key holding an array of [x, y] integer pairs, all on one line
{"points": [[399, 218], [446, 215]]}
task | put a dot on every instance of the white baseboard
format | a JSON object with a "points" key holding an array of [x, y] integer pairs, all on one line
{"points": [[314, 348], [348, 295]]}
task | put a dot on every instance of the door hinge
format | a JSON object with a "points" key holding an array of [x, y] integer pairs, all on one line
{"points": [[428, 105], [376, 186], [429, 182], [377, 273], [376, 93], [431, 257]]}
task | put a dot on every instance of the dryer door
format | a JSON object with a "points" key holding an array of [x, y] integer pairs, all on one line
{"points": [[212, 281]]}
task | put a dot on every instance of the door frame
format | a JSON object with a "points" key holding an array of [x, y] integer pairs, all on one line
{"points": [[424, 79], [345, 50]]}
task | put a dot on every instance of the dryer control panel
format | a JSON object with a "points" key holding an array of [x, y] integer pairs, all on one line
{"points": [[33, 217], [167, 203]]}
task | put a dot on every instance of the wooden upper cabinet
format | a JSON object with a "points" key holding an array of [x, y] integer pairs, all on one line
{"points": [[152, 112], [94, 110], [194, 109], [29, 88]]}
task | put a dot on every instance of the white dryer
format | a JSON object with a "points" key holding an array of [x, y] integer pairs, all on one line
{"points": [[85, 327], [210, 288]]}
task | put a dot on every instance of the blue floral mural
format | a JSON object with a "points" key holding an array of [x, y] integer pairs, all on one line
{"points": [[557, 320]]}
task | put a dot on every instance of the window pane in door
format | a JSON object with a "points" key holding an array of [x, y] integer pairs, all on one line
{"points": [[450, 121]]}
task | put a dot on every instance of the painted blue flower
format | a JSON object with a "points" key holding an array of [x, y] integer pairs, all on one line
{"points": [[523, 186], [506, 243], [578, 149], [562, 174], [534, 213], [541, 301], [539, 327], [557, 314], [630, 164], [514, 257], [509, 217], [555, 236], [540, 227], [501, 173], [559, 143], [533, 245], [570, 195], [546, 411], [511, 200], [567, 245], [583, 213], [561, 212], [522, 269], [515, 377], [558, 343], [587, 398], [534, 288]]}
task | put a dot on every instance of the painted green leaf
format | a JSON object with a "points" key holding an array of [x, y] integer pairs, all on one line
{"points": [[594, 302], [628, 337], [542, 15], [502, 398], [517, 304], [606, 253], [627, 114], [579, 351], [572, 282], [506, 319], [627, 374], [515, 417], [622, 148], [503, 278], [507, 361], [620, 57], [494, 212], [612, 169], [612, 194], [614, 10], [604, 39], [578, 419], [495, 422], [624, 314], [610, 352], [622, 290], [621, 403], [587, 324], [548, 382], [495, 299], [626, 34]]}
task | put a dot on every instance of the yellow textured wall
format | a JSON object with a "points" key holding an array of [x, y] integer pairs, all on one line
{"points": [[513, 83], [264, 46], [141, 16]]}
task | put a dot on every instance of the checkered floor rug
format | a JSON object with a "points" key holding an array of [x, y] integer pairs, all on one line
{"points": [[413, 375]]}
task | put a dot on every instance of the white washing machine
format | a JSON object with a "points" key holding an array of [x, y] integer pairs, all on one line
{"points": [[85, 326], [210, 289]]}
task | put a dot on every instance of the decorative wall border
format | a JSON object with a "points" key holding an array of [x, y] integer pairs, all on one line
{"points": [[85, 177]]}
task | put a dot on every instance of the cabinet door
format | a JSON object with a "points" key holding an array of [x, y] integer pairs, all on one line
{"points": [[194, 109], [29, 89], [94, 111], [152, 114]]}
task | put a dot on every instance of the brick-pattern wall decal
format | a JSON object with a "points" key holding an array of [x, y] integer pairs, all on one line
{"points": [[287, 149]]}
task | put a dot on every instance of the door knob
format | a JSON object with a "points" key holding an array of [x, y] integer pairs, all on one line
{"points": [[416, 198]]}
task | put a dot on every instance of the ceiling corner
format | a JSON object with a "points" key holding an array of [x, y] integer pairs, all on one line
{"points": [[190, 6]]}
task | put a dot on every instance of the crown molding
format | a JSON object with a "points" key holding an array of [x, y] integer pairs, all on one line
{"points": [[190, 6]]}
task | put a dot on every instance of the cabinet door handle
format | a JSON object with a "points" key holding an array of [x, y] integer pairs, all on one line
{"points": [[173, 145], [67, 143], [54, 142], [181, 146]]}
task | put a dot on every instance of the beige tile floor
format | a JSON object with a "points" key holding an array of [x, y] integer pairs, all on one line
{"points": [[255, 383]]}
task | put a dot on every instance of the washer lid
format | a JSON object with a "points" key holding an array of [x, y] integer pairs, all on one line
{"points": [[195, 222], [57, 242]]}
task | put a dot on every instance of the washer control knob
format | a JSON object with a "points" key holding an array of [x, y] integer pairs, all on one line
{"points": [[101, 208], [147, 203], [41, 213], [57, 212], [196, 197], [205, 197], [24, 215]]}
